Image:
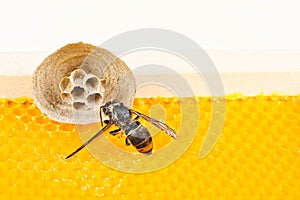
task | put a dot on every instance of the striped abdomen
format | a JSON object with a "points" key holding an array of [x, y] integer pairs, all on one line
{"points": [[139, 137]]}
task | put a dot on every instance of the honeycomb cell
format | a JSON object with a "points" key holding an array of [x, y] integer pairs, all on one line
{"points": [[93, 100], [65, 85], [77, 76], [79, 106], [78, 93], [92, 83], [84, 91], [257, 156]]}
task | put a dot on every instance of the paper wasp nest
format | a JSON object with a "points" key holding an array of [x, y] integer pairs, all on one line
{"points": [[71, 84]]}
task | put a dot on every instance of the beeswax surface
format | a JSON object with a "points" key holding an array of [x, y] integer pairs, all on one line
{"points": [[257, 155]]}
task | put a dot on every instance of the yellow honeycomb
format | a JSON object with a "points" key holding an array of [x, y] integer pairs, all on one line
{"points": [[257, 155]]}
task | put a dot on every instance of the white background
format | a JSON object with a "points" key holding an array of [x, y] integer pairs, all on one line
{"points": [[232, 24], [44, 26]]}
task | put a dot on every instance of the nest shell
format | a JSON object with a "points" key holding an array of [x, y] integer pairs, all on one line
{"points": [[71, 84]]}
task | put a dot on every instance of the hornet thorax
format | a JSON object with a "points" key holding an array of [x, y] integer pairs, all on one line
{"points": [[117, 113]]}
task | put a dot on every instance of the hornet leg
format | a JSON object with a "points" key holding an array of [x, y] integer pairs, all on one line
{"points": [[115, 132], [127, 142], [106, 121], [136, 118]]}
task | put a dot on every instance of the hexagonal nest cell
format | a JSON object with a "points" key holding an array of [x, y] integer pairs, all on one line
{"points": [[82, 88], [72, 83]]}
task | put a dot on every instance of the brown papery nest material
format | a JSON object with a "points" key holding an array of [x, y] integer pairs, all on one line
{"points": [[72, 83]]}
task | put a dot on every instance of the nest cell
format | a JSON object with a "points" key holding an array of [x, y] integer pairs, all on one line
{"points": [[77, 76], [81, 77], [94, 99], [65, 85]]}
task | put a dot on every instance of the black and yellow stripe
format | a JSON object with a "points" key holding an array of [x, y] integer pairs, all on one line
{"points": [[140, 138]]}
